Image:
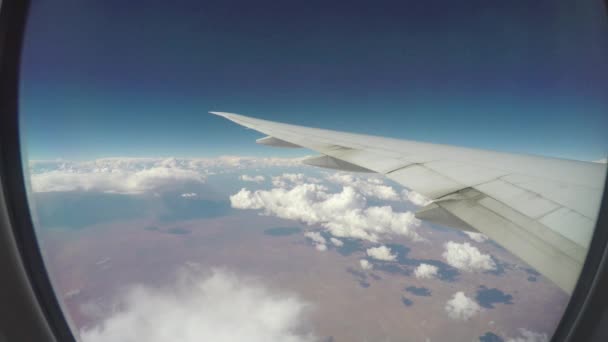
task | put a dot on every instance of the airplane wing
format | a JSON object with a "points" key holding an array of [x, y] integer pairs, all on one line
{"points": [[541, 209]]}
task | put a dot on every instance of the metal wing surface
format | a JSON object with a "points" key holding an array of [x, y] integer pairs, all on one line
{"points": [[541, 209]]}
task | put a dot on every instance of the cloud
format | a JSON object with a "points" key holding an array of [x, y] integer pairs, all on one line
{"points": [[465, 257], [115, 181], [601, 161], [366, 265], [292, 179], [137, 175], [189, 195], [321, 247], [318, 240], [461, 307], [381, 253], [336, 242], [372, 187], [256, 179], [415, 198], [344, 214], [529, 336], [220, 307], [425, 271], [477, 237]]}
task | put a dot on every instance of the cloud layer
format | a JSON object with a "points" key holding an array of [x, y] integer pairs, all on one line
{"points": [[220, 307], [286, 180], [136, 175], [115, 181], [465, 257]]}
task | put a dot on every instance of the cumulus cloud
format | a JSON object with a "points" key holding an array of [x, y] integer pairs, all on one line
{"points": [[529, 336], [366, 265], [318, 240], [372, 187], [137, 175], [255, 179], [415, 198], [336, 242], [316, 237], [461, 307], [425, 271], [381, 253], [344, 214], [321, 247], [465, 257], [477, 237], [220, 307]]}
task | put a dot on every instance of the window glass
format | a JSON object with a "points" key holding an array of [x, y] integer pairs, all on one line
{"points": [[159, 221]]}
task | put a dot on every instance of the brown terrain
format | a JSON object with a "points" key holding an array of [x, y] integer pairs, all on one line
{"points": [[91, 266]]}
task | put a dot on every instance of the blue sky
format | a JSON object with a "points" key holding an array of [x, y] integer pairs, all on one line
{"points": [[112, 78]]}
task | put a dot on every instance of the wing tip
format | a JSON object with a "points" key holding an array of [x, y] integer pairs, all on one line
{"points": [[224, 114]]}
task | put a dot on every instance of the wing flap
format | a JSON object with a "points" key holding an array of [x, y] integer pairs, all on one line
{"points": [[556, 257]]}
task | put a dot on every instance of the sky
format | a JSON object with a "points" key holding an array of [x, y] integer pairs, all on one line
{"points": [[134, 78]]}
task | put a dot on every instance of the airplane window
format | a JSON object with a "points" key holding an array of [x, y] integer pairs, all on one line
{"points": [[314, 171]]}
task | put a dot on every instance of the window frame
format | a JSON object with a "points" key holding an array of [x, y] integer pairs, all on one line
{"points": [[31, 310]]}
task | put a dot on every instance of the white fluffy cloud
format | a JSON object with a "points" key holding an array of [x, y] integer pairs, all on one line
{"points": [[336, 242], [465, 257], [415, 198], [315, 237], [344, 214], [321, 247], [370, 186], [318, 240], [189, 195], [366, 265], [461, 307], [221, 307], [381, 253], [529, 336], [255, 179], [477, 237], [425, 271]]}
